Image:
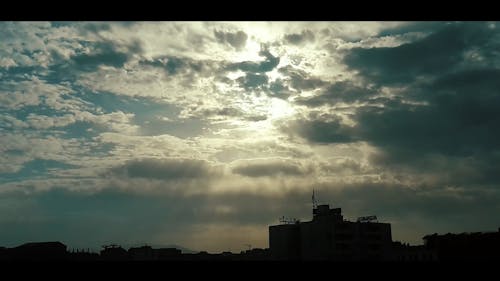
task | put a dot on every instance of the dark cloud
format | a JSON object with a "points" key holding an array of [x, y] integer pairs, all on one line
{"points": [[299, 38], [440, 52], [188, 70], [278, 89], [90, 27], [165, 169], [408, 27], [301, 80], [454, 137], [82, 219], [104, 54], [295, 80], [320, 131], [171, 65], [458, 119], [451, 134], [414, 213], [187, 67], [453, 112], [237, 40], [268, 167], [252, 81], [69, 216], [391, 200], [257, 67], [344, 91], [444, 123]]}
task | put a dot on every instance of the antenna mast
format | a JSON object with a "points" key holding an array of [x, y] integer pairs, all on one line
{"points": [[314, 202]]}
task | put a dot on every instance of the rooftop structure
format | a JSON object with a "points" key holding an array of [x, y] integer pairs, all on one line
{"points": [[329, 237]]}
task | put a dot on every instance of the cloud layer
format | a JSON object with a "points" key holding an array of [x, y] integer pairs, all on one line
{"points": [[185, 128]]}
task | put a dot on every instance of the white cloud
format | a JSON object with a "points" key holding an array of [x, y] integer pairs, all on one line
{"points": [[39, 40], [11, 122], [18, 94], [7, 62], [45, 122]]}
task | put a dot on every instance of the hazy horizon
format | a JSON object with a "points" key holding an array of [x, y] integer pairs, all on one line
{"points": [[202, 134]]}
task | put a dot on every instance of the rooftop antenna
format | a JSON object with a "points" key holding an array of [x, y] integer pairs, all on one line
{"points": [[314, 201], [249, 246]]}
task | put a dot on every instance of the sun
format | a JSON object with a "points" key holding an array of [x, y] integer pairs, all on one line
{"points": [[279, 109], [274, 109], [249, 53]]}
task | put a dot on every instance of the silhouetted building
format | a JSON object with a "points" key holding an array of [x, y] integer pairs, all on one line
{"points": [[329, 237], [255, 254], [39, 251], [82, 255], [144, 253], [476, 246], [114, 253], [4, 253], [409, 253], [284, 241], [168, 253]]}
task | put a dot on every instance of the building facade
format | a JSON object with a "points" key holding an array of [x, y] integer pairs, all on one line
{"points": [[329, 237]]}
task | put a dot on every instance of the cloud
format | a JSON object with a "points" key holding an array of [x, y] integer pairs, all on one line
{"points": [[217, 114], [455, 117], [416, 212], [115, 121], [438, 122], [21, 41], [268, 167], [32, 91], [426, 117], [103, 54], [300, 79], [165, 169], [237, 39], [252, 81], [20, 148], [339, 92], [299, 38], [257, 67], [440, 52], [453, 134], [320, 131], [174, 128], [176, 218], [11, 122], [94, 27], [7, 62], [182, 65]]}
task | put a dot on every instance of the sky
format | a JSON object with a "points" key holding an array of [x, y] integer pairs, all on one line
{"points": [[202, 134]]}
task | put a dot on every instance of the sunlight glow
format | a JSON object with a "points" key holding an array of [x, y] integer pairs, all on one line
{"points": [[249, 53], [280, 109]]}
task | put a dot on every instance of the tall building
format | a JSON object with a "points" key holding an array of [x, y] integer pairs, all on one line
{"points": [[329, 237], [284, 241]]}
